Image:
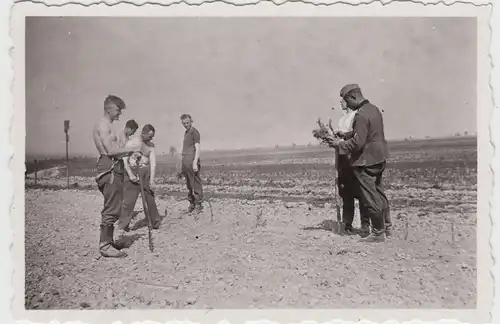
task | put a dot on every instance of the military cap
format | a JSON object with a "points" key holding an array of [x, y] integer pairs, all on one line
{"points": [[348, 88]]}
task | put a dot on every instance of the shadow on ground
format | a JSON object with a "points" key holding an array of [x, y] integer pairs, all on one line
{"points": [[128, 240], [144, 223], [326, 225]]}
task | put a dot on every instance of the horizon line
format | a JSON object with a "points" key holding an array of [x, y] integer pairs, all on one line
{"points": [[278, 146]]}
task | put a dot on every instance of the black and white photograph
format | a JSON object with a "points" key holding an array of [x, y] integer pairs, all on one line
{"points": [[255, 162]]}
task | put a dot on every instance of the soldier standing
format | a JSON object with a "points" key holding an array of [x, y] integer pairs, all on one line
{"points": [[110, 174], [346, 179], [191, 164], [368, 153]]}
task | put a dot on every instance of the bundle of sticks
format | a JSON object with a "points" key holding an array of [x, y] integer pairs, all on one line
{"points": [[324, 133]]}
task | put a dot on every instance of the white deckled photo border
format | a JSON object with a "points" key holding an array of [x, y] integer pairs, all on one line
{"points": [[13, 152]]}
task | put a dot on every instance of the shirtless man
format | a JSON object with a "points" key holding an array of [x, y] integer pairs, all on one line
{"points": [[129, 130], [143, 161], [110, 174]]}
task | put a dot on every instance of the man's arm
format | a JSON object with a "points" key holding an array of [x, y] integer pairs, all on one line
{"points": [[122, 140], [135, 146], [348, 135], [104, 134], [152, 164], [358, 140], [126, 164], [197, 150]]}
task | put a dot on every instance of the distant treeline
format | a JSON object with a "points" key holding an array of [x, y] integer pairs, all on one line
{"points": [[83, 161], [43, 163]]}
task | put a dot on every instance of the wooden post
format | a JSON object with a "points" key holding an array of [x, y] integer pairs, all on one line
{"points": [[36, 171], [66, 129]]}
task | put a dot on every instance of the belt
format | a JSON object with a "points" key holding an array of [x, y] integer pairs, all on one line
{"points": [[100, 175]]}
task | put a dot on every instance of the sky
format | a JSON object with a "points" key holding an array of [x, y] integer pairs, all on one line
{"points": [[248, 82]]}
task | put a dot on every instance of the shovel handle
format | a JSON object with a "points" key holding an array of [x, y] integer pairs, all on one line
{"points": [[146, 212]]}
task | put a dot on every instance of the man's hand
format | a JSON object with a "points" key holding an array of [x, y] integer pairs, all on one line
{"points": [[195, 166], [152, 184], [339, 133], [133, 178], [333, 142], [328, 137]]}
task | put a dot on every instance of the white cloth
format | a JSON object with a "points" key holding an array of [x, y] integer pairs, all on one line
{"points": [[137, 157], [345, 123]]}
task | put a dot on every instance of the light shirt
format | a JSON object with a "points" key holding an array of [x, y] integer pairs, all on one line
{"points": [[345, 123], [137, 157]]}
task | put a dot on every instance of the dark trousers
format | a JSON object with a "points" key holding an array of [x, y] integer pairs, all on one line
{"points": [[348, 192], [386, 212], [131, 192], [193, 180], [372, 196], [111, 187]]}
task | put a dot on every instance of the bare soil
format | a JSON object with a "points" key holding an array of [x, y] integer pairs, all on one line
{"points": [[251, 254]]}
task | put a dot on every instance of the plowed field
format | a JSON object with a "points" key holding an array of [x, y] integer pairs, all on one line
{"points": [[265, 238]]}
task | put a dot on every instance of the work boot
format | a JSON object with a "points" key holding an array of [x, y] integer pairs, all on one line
{"points": [[125, 228], [349, 230], [388, 230], [199, 208], [364, 231], [388, 223], [378, 230], [157, 224], [123, 224], [107, 246], [190, 209], [118, 244], [373, 238]]}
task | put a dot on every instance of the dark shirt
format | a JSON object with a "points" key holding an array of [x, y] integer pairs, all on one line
{"points": [[191, 137], [367, 146]]}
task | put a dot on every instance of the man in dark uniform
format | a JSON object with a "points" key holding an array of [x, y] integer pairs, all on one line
{"points": [[191, 164], [346, 181], [368, 150]]}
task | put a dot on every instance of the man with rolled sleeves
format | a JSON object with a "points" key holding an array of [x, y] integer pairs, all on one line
{"points": [[191, 164], [368, 154]]}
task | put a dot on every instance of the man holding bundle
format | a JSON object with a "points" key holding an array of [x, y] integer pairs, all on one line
{"points": [[368, 153], [346, 181], [143, 161]]}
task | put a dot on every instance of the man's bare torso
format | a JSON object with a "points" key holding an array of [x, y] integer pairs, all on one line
{"points": [[122, 139], [102, 131]]}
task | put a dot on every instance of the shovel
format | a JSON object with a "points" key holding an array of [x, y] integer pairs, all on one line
{"points": [[340, 221], [146, 212]]}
